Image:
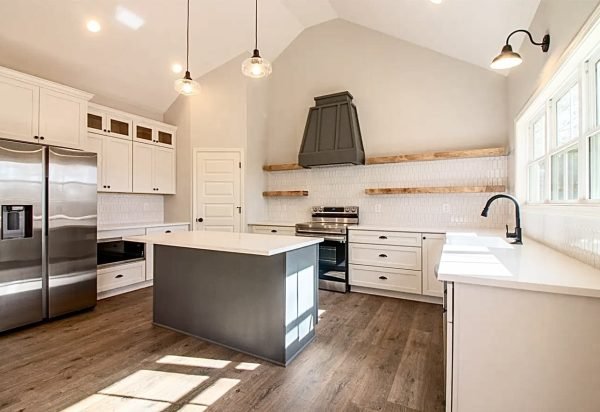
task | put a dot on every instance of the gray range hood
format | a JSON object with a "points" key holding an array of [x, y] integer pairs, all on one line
{"points": [[332, 133]]}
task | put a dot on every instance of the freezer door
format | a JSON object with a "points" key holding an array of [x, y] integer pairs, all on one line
{"points": [[72, 209], [21, 240]]}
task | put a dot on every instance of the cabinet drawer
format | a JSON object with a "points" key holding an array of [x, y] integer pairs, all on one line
{"points": [[398, 280], [274, 230], [167, 229], [385, 238], [400, 257], [122, 275], [118, 233]]}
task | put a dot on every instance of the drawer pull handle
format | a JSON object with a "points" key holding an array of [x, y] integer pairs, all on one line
{"points": [[382, 277], [167, 231], [383, 255], [118, 276], [273, 231], [383, 237]]}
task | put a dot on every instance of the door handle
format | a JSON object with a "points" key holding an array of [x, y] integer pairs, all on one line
{"points": [[383, 255]]}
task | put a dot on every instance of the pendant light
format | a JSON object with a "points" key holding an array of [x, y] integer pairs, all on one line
{"points": [[187, 86], [508, 58], [256, 67]]}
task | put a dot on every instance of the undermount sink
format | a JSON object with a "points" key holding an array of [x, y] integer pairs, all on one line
{"points": [[477, 243]]}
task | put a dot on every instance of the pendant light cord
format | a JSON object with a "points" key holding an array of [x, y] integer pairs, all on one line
{"points": [[187, 62], [256, 24]]}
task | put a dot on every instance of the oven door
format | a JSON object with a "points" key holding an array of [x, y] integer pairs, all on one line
{"points": [[333, 262]]}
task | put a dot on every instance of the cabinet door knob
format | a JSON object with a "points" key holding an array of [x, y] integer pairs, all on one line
{"points": [[108, 186], [382, 255], [383, 237], [383, 277], [41, 137], [104, 186], [36, 137], [200, 220]]}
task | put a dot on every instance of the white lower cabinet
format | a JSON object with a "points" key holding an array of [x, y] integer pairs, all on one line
{"points": [[398, 280], [390, 262], [150, 247], [153, 169], [432, 252], [122, 275], [273, 230]]}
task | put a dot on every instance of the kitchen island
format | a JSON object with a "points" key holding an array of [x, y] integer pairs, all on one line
{"points": [[253, 293]]}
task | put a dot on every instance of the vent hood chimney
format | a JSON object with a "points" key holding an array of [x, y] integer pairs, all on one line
{"points": [[332, 133]]}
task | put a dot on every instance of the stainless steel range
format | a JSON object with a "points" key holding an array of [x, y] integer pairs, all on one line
{"points": [[331, 223]]}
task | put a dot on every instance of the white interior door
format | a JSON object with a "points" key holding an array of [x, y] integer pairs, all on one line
{"points": [[217, 191]]}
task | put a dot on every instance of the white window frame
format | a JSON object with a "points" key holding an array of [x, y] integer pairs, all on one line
{"points": [[530, 153], [577, 66]]}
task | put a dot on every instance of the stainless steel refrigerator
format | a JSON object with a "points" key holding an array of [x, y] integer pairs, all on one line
{"points": [[47, 232]]}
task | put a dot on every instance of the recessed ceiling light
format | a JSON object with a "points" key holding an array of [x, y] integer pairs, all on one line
{"points": [[93, 26], [436, 1], [177, 68], [129, 18]]}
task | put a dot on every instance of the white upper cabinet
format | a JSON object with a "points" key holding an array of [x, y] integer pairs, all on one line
{"points": [[61, 119], [19, 102], [103, 120], [155, 134], [153, 169], [35, 110], [117, 165]]}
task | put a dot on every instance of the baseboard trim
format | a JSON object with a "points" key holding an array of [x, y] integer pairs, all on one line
{"points": [[397, 295], [125, 289]]}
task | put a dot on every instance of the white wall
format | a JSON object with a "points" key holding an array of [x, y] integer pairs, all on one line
{"points": [[409, 98]]}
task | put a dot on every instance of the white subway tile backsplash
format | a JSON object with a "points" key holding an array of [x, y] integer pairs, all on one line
{"points": [[338, 186], [119, 208]]}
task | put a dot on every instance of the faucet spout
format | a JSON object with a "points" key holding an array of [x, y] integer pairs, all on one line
{"points": [[517, 234]]}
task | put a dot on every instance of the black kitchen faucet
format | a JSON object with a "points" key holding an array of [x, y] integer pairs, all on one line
{"points": [[517, 234]]}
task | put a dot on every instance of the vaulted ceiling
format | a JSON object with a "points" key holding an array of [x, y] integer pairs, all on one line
{"points": [[49, 38]]}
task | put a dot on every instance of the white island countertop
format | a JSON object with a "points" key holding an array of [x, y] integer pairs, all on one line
{"points": [[125, 226], [481, 258], [245, 243]]}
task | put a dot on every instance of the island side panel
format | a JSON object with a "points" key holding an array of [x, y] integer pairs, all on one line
{"points": [[302, 299], [236, 300]]}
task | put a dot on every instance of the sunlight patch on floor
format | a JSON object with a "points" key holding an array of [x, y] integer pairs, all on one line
{"points": [[215, 391], [103, 403], [321, 312], [196, 362], [247, 366]]}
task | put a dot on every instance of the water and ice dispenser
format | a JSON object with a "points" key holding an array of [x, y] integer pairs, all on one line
{"points": [[17, 221]]}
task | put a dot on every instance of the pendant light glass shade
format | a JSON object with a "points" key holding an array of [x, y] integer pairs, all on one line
{"points": [[256, 67], [506, 59], [187, 86]]}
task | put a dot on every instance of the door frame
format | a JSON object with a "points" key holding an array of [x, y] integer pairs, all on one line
{"points": [[238, 150]]}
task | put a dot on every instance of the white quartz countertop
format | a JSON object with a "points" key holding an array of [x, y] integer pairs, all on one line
{"points": [[268, 223], [246, 243], [138, 225], [488, 259]]}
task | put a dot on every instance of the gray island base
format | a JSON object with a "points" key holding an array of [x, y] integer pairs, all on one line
{"points": [[265, 306]]}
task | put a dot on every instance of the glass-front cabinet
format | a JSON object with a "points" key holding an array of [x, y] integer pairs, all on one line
{"points": [[154, 134], [106, 122]]}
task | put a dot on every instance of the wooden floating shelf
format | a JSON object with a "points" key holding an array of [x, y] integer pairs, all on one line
{"points": [[428, 156], [282, 167], [402, 158], [446, 189], [286, 193]]}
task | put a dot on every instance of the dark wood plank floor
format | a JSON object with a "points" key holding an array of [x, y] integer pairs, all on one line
{"points": [[371, 353]]}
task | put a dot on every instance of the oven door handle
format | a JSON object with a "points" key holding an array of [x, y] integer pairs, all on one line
{"points": [[340, 239]]}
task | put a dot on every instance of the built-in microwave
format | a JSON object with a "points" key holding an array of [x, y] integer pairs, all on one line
{"points": [[118, 251]]}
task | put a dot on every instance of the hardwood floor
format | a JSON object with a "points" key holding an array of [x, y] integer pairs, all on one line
{"points": [[371, 354]]}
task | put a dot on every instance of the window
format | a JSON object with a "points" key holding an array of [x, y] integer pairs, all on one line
{"points": [[567, 116], [558, 134], [595, 166], [564, 174]]}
